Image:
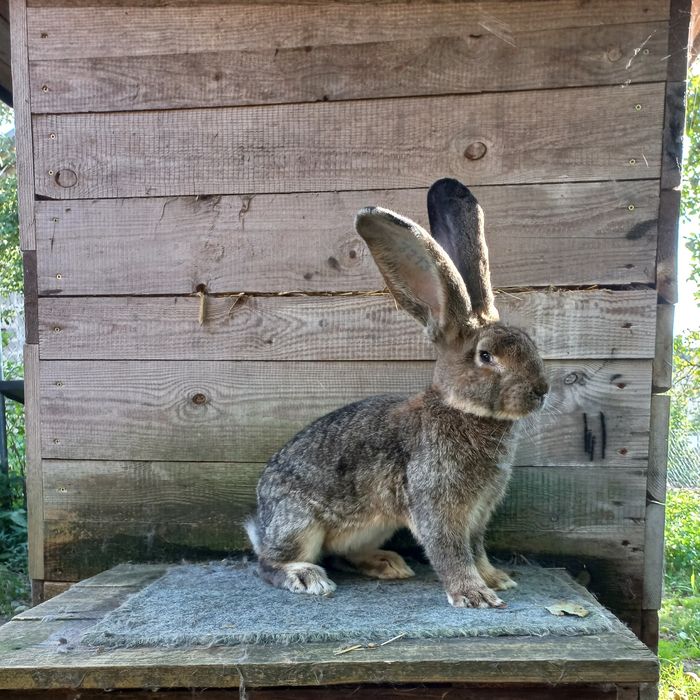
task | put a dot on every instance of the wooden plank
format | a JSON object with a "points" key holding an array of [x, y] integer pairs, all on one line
{"points": [[656, 498], [600, 531], [245, 411], [658, 447], [667, 252], [23, 125], [221, 495], [31, 298], [79, 603], [75, 32], [5, 56], [662, 372], [442, 693], [606, 691], [583, 324], [364, 144], [446, 64], [650, 631], [53, 588], [674, 125], [540, 235], [34, 477], [679, 39], [607, 658], [614, 562]]}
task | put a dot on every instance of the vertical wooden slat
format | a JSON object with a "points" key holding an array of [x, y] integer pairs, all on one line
{"points": [[23, 124], [662, 368], [678, 39], [650, 629], [656, 496], [31, 298], [35, 490], [674, 121], [667, 246]]}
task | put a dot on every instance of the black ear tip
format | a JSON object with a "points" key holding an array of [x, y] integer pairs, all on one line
{"points": [[449, 188]]}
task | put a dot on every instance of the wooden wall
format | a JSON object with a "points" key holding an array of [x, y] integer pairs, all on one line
{"points": [[172, 147]]}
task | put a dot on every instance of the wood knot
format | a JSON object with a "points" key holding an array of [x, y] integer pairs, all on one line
{"points": [[614, 53], [66, 178], [199, 399], [475, 151], [571, 378]]}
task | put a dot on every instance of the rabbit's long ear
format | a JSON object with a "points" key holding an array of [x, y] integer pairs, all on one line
{"points": [[457, 224], [420, 275]]}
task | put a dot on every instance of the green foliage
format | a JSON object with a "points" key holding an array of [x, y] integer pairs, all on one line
{"points": [[677, 683], [679, 617], [680, 628], [683, 542], [14, 585], [685, 394], [690, 195], [10, 256]]}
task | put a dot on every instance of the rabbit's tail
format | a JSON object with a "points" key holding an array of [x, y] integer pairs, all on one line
{"points": [[251, 527]]}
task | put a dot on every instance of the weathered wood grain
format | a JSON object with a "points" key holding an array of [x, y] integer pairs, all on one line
{"points": [[5, 56], [78, 603], [656, 500], [34, 477], [35, 662], [437, 65], [245, 411], [608, 133], [662, 376], [667, 252], [612, 558], [105, 29], [31, 298], [50, 589], [650, 636], [607, 691], [613, 563], [539, 235], [583, 324], [23, 124], [658, 447], [674, 124], [221, 495]]}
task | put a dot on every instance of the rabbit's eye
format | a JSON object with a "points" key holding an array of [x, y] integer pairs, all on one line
{"points": [[485, 357]]}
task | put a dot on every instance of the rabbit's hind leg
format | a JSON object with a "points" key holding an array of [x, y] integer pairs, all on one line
{"points": [[380, 563], [289, 564], [360, 547]]}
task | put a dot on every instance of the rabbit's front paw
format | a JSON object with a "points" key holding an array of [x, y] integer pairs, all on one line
{"points": [[478, 596], [303, 577]]}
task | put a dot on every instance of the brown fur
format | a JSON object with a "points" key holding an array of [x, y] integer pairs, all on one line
{"points": [[438, 462]]}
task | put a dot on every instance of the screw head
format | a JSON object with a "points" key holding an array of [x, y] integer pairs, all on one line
{"points": [[631, 207]]}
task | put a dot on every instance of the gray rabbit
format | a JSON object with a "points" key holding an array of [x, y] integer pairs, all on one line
{"points": [[437, 462]]}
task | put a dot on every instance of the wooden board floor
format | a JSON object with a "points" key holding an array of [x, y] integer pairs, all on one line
{"points": [[40, 650]]}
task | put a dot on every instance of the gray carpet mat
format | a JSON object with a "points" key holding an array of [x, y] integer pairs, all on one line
{"points": [[225, 603]]}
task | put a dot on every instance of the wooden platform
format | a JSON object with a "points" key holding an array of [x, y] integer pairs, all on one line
{"points": [[40, 650]]}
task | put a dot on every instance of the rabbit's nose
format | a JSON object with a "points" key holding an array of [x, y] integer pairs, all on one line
{"points": [[541, 389]]}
